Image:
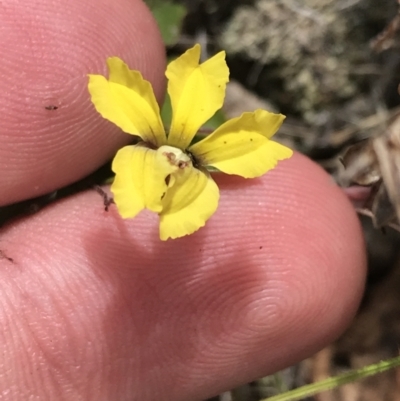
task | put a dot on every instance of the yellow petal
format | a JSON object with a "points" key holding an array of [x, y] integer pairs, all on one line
{"points": [[267, 123], [127, 100], [197, 91], [241, 146], [140, 175], [188, 203]]}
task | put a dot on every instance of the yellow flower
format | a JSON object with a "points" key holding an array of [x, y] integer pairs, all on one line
{"points": [[165, 173]]}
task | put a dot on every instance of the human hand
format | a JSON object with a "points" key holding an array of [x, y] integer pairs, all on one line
{"points": [[94, 307]]}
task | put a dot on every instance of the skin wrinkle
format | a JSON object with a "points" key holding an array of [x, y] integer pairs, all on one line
{"points": [[46, 342], [19, 362], [72, 322]]}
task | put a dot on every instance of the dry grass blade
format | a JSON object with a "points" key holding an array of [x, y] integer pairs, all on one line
{"points": [[373, 122], [385, 39], [376, 163]]}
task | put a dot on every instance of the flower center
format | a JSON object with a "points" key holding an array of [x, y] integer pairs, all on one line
{"points": [[176, 157]]}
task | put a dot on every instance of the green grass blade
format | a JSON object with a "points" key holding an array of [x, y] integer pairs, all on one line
{"points": [[333, 382]]}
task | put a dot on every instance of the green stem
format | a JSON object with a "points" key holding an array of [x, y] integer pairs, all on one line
{"points": [[333, 382]]}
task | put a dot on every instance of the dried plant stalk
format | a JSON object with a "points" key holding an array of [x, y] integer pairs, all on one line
{"points": [[387, 150], [386, 38], [376, 163]]}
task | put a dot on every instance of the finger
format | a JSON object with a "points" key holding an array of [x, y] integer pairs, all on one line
{"points": [[101, 306], [50, 133]]}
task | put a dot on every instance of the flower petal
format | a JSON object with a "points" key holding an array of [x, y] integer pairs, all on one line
{"points": [[188, 203], [241, 145], [197, 91], [267, 123], [127, 100], [140, 175]]}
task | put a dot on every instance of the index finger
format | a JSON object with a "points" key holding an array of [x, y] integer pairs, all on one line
{"points": [[50, 134]]}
